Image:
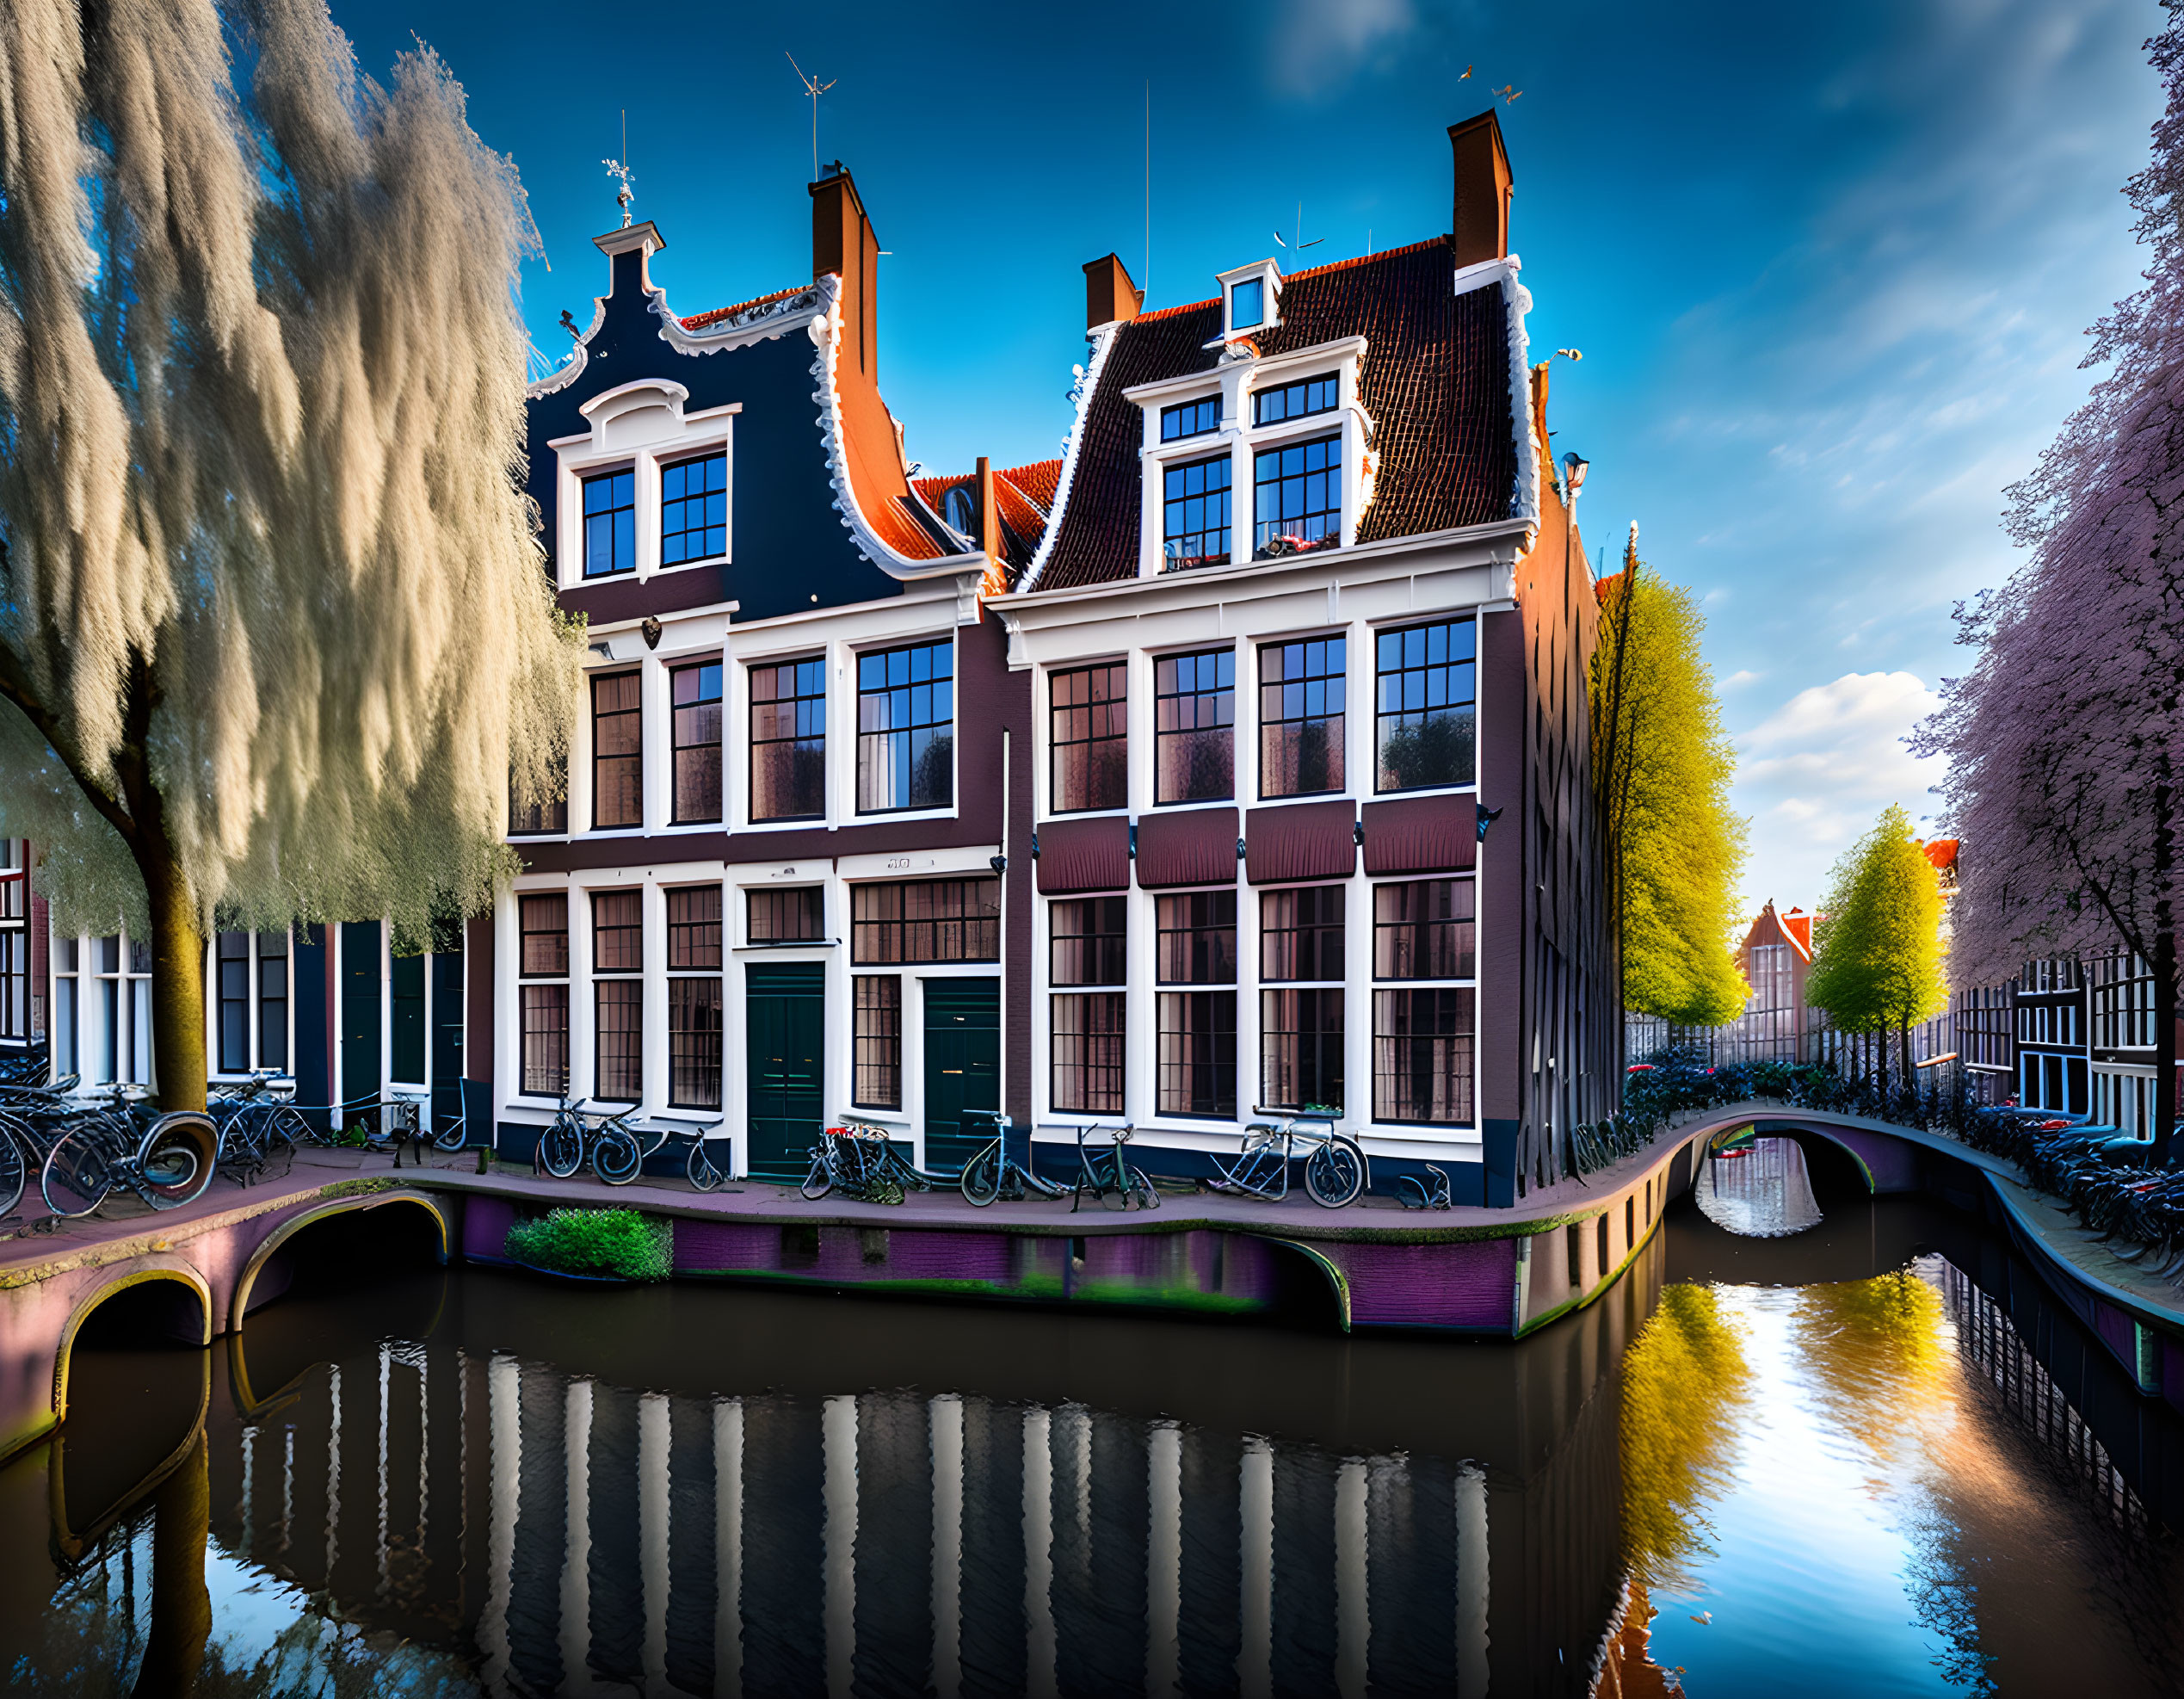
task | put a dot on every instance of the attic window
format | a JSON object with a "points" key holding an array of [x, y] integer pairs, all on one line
{"points": [[1297, 400], [1247, 304], [961, 511]]}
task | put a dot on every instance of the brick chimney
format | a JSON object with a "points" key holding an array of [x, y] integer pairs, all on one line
{"points": [[1110, 295], [1480, 227], [842, 242]]}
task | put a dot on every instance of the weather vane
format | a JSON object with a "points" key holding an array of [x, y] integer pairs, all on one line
{"points": [[814, 88], [623, 176]]}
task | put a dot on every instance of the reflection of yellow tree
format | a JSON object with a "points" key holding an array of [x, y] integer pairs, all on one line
{"points": [[1682, 1381], [1877, 1355]]}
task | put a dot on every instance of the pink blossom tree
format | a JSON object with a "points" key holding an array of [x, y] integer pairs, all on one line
{"points": [[2065, 741]]}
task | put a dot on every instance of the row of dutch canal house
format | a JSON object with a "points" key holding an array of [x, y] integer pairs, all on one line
{"points": [[1150, 785]]}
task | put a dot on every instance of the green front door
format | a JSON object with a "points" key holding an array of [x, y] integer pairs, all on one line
{"points": [[784, 1040], [962, 1067], [360, 1032]]}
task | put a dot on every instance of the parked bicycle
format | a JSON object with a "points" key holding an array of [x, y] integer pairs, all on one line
{"points": [[108, 1146], [1102, 1171], [1334, 1165], [31, 1118], [854, 1159], [255, 1123], [608, 1142], [1415, 1193], [1003, 1169]]}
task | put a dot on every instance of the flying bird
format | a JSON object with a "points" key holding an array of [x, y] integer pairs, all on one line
{"points": [[1467, 71]]}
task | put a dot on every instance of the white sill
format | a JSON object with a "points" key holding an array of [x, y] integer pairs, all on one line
{"points": [[685, 566], [808, 823], [883, 816]]}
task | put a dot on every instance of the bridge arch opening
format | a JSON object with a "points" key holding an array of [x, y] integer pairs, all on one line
{"points": [[153, 1308], [342, 1245], [1839, 1178]]}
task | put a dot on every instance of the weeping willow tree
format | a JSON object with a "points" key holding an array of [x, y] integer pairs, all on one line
{"points": [[1661, 773], [271, 620]]}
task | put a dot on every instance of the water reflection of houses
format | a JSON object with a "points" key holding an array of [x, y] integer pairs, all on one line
{"points": [[1243, 1509]]}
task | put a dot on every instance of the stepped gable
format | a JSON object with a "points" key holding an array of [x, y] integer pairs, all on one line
{"points": [[1435, 379]]}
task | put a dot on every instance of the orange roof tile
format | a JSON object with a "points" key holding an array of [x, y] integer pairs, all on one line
{"points": [[697, 321]]}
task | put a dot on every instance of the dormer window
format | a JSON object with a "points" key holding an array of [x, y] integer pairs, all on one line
{"points": [[1248, 304], [1190, 418], [961, 511]]}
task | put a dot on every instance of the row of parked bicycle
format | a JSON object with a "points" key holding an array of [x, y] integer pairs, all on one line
{"points": [[82, 1147], [861, 1161], [2081, 1164]]}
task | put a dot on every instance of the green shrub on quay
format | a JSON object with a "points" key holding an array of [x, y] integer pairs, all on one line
{"points": [[615, 1243]]}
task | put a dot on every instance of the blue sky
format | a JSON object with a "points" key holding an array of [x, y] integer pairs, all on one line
{"points": [[1830, 267]]}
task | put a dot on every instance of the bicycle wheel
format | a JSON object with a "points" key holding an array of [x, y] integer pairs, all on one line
{"points": [[703, 1175], [561, 1150], [77, 1175], [175, 1162], [1335, 1173], [14, 1172], [1114, 1185], [284, 1127], [615, 1158], [981, 1182], [1143, 1192], [820, 1181]]}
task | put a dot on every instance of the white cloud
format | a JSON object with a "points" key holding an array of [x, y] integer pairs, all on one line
{"points": [[1742, 676], [1814, 774], [1317, 45]]}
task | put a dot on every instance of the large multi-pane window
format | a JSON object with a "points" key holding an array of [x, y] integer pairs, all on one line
{"points": [[794, 915], [1190, 418], [14, 941], [1088, 940], [1195, 950], [1301, 701], [788, 739], [1422, 731], [693, 997], [695, 691], [618, 995], [542, 921], [610, 524], [906, 728], [536, 816], [63, 1026], [617, 752], [1296, 401], [1194, 515], [1087, 727], [252, 1001], [1768, 1028], [1423, 929], [1300, 1005], [1194, 727], [876, 1040], [693, 509], [926, 920], [1297, 502]]}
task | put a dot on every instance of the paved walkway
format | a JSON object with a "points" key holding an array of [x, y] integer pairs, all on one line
{"points": [[126, 1228]]}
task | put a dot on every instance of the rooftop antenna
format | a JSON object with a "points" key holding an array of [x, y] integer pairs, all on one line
{"points": [[1300, 244], [1149, 185], [814, 88], [626, 178]]}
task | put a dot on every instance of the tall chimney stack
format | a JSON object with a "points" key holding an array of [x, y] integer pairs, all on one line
{"points": [[1109, 293], [1480, 228], [842, 242]]}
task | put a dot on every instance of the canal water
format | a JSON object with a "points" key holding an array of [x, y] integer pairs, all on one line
{"points": [[1871, 1457]]}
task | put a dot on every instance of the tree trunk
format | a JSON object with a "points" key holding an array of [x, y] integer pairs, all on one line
{"points": [[1910, 1073], [2164, 964], [177, 977], [181, 1607]]}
